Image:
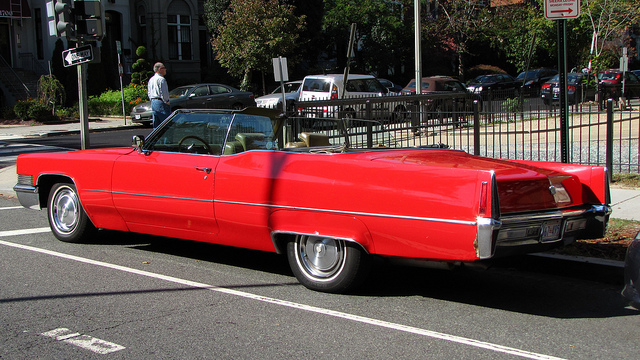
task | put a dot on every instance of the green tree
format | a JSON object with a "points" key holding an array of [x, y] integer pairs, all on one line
{"points": [[141, 68], [384, 32], [51, 92], [463, 21], [609, 21], [253, 32], [214, 13]]}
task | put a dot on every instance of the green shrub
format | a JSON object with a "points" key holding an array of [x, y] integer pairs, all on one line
{"points": [[21, 108], [110, 101], [33, 110], [8, 113], [41, 112]]}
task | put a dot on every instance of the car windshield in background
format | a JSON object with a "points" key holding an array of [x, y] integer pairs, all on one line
{"points": [[528, 75], [425, 85], [179, 91], [365, 85], [320, 85], [608, 76], [289, 88], [571, 78], [486, 79]]}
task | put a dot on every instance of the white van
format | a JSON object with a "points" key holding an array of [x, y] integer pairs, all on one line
{"points": [[330, 87]]}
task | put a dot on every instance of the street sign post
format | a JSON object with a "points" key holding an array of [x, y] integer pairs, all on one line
{"points": [[79, 55], [561, 9]]}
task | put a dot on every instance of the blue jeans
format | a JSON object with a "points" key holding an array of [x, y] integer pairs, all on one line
{"points": [[160, 111]]}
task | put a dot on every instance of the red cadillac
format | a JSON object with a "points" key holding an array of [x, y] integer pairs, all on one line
{"points": [[255, 180]]}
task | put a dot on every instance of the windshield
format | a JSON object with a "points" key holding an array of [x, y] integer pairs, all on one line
{"points": [[289, 88], [486, 79], [528, 75], [212, 133], [179, 91]]}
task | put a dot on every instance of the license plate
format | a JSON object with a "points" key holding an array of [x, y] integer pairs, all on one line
{"points": [[137, 116], [551, 230]]}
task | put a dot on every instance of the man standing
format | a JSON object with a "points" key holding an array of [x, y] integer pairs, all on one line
{"points": [[158, 92]]}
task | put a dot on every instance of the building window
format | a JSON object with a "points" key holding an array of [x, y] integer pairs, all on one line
{"points": [[179, 37]]}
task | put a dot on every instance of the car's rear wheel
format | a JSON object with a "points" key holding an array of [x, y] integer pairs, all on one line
{"points": [[67, 218], [327, 264]]}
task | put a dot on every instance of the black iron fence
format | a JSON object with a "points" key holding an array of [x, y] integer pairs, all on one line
{"points": [[511, 128]]}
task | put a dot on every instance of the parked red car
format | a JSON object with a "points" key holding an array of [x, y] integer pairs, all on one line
{"points": [[611, 84], [236, 178]]}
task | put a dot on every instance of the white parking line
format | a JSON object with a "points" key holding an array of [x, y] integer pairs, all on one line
{"points": [[11, 207], [337, 314], [84, 341], [24, 232]]}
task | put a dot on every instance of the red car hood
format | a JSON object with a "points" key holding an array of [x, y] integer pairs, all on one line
{"points": [[521, 187]]}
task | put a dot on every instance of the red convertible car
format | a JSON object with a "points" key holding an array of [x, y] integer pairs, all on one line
{"points": [[326, 199]]}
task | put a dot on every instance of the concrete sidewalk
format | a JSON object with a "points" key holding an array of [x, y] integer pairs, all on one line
{"points": [[625, 202]]}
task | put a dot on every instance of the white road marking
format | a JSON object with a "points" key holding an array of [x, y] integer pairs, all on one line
{"points": [[83, 341], [314, 309], [24, 232], [11, 208]]}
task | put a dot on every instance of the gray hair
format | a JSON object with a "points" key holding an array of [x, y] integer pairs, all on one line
{"points": [[157, 66]]}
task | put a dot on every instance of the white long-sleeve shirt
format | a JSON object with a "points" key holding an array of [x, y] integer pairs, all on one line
{"points": [[157, 88]]}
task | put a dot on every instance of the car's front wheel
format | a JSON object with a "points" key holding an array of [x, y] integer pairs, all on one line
{"points": [[67, 218], [327, 264]]}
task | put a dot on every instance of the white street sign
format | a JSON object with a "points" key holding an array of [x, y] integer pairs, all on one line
{"points": [[561, 9], [77, 56]]}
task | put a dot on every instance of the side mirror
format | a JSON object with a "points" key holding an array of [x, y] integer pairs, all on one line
{"points": [[137, 142]]}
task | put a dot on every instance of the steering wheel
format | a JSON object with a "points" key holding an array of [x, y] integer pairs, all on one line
{"points": [[206, 145]]}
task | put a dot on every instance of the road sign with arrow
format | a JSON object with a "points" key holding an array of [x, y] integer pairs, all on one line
{"points": [[77, 55], [561, 9]]}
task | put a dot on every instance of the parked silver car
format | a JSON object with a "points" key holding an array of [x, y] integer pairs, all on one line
{"points": [[274, 100], [198, 96]]}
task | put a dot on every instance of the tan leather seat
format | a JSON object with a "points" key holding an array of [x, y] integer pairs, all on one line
{"points": [[315, 139]]}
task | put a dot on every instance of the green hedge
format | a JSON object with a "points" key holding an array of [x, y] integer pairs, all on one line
{"points": [[110, 101], [34, 110]]}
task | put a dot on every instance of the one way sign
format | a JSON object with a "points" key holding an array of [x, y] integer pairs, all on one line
{"points": [[561, 9], [77, 56]]}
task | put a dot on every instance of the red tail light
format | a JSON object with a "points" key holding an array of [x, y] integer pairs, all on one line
{"points": [[546, 86], [484, 196], [571, 87], [334, 92]]}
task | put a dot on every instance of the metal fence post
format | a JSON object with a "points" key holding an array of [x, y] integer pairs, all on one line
{"points": [[609, 146], [368, 110], [476, 127]]}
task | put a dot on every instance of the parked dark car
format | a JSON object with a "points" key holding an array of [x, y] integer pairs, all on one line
{"points": [[393, 87], [435, 83], [198, 96], [531, 81], [610, 82], [495, 86], [443, 107], [577, 91]]}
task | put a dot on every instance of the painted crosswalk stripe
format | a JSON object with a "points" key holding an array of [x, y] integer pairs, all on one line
{"points": [[86, 342]]}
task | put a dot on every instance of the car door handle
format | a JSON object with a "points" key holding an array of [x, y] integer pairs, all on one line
{"points": [[205, 169]]}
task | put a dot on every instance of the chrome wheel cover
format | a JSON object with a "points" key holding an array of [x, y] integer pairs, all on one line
{"points": [[320, 258], [65, 210]]}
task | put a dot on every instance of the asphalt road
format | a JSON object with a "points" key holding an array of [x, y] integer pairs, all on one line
{"points": [[133, 296]]}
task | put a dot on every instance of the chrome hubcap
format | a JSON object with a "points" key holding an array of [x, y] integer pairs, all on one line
{"points": [[321, 257], [65, 210]]}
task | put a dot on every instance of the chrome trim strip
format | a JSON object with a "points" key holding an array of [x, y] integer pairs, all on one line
{"points": [[460, 222], [149, 195], [404, 217]]}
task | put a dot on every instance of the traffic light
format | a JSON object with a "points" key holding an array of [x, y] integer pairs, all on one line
{"points": [[89, 15], [63, 17]]}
